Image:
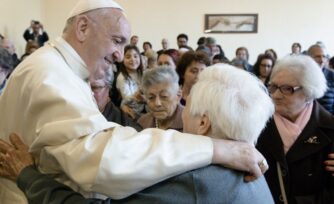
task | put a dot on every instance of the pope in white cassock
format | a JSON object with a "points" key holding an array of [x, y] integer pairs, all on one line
{"points": [[49, 103]]}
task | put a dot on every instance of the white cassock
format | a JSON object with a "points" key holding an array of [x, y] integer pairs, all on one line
{"points": [[49, 103]]}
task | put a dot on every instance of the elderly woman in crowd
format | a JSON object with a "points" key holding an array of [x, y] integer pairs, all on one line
{"points": [[224, 103], [101, 83], [6, 66], [190, 65], [298, 139], [263, 66], [161, 88]]}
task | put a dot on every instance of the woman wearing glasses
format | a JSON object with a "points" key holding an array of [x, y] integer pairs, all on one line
{"points": [[299, 137]]}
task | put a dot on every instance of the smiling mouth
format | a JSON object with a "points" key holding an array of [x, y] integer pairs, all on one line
{"points": [[108, 61]]}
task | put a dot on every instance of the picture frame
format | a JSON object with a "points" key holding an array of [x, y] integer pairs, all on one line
{"points": [[231, 23]]}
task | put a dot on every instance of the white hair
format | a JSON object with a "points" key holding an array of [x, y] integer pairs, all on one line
{"points": [[307, 73], [236, 102], [161, 74]]}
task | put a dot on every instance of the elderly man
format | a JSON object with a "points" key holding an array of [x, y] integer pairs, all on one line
{"points": [[207, 112], [48, 101], [319, 54]]}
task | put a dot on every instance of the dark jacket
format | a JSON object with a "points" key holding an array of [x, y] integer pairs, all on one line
{"points": [[114, 114], [41, 39], [327, 101], [303, 166], [208, 185]]}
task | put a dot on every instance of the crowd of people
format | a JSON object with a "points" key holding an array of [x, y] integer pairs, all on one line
{"points": [[177, 125]]}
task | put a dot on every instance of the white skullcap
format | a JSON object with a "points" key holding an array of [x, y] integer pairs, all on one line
{"points": [[88, 5]]}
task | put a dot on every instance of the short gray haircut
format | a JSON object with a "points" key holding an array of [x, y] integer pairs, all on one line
{"points": [[320, 46], [236, 102], [6, 60], [307, 73], [161, 74]]}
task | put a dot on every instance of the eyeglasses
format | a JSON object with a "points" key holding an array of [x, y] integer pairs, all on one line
{"points": [[284, 89]]}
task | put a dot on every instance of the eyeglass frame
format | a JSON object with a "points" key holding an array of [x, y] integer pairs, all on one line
{"points": [[288, 91]]}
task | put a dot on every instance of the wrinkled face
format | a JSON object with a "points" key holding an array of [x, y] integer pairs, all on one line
{"points": [[319, 55], [162, 100], [106, 38], [242, 54], [164, 44], [166, 60], [287, 105], [100, 91], [192, 72], [182, 42], [190, 123], [265, 67], [131, 60]]}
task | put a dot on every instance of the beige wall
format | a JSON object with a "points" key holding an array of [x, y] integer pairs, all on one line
{"points": [[281, 22], [15, 17]]}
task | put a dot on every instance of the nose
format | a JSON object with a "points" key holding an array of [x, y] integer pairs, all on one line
{"points": [[157, 101], [118, 54]]}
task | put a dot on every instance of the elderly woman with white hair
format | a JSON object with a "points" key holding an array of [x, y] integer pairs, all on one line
{"points": [[299, 137], [225, 103], [161, 90]]}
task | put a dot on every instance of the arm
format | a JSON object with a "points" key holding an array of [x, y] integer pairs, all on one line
{"points": [[39, 188]]}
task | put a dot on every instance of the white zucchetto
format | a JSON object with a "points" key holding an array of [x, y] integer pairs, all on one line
{"points": [[88, 5]]}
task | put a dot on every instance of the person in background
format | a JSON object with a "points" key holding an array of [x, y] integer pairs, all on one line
{"points": [[161, 90], [9, 46], [182, 41], [331, 63], [36, 33], [220, 58], [271, 52], [239, 63], [319, 54], [101, 83], [296, 49], [134, 40], [169, 58], [243, 54], [165, 46], [297, 140], [189, 66], [263, 67], [31, 47], [225, 101], [128, 82], [6, 66]]}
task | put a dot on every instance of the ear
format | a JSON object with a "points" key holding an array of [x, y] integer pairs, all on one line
{"points": [[82, 28], [204, 126]]}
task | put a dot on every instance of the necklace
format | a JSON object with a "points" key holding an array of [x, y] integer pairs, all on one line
{"points": [[156, 123]]}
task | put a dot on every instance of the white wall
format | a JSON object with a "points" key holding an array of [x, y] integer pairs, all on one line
{"points": [[281, 22], [15, 17]]}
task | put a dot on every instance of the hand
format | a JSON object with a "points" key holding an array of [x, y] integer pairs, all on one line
{"points": [[139, 97], [14, 158], [126, 109], [330, 164], [240, 156]]}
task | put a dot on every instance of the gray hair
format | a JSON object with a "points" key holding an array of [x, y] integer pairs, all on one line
{"points": [[307, 73], [235, 102], [6, 60], [159, 75]]}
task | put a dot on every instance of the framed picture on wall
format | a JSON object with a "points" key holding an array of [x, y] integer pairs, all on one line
{"points": [[231, 23]]}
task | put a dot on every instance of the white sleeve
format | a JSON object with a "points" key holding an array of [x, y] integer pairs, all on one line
{"points": [[120, 162]]}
